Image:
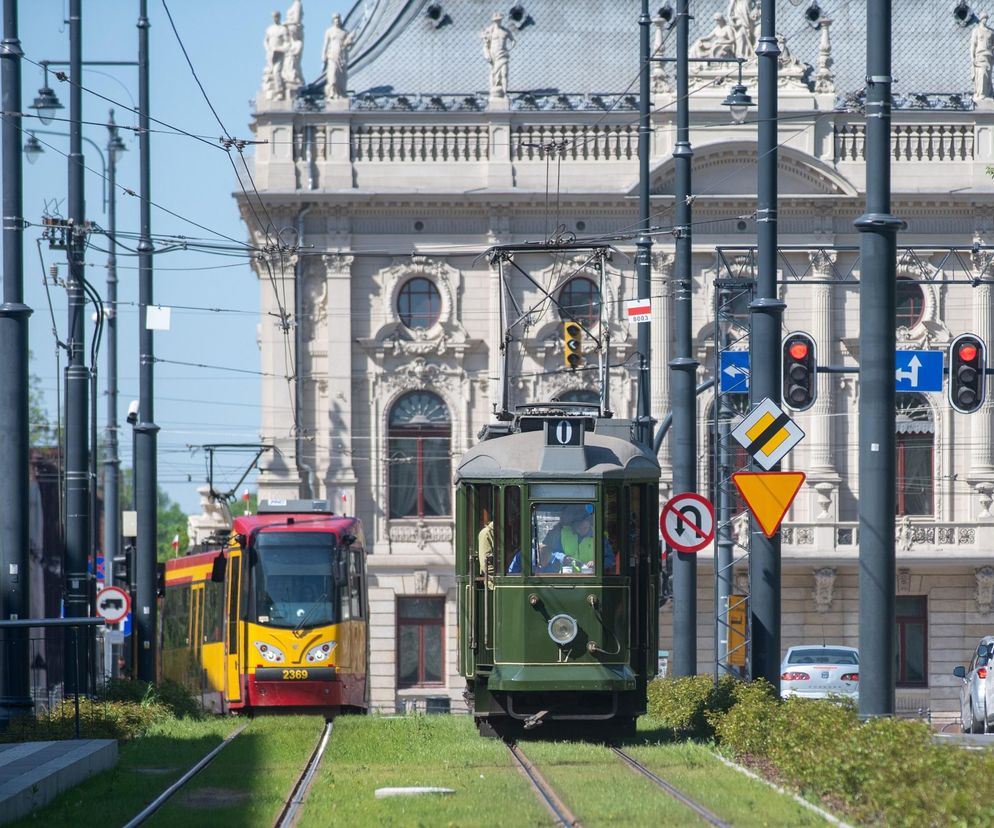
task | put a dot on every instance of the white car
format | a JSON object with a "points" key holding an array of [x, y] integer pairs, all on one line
{"points": [[976, 696], [820, 671]]}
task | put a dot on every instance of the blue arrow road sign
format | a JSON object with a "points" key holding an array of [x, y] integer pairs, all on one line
{"points": [[734, 367], [918, 371]]}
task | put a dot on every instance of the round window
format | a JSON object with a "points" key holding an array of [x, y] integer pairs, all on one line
{"points": [[419, 303], [580, 299], [910, 303]]}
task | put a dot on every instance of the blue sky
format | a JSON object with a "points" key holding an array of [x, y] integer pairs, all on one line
{"points": [[193, 405]]}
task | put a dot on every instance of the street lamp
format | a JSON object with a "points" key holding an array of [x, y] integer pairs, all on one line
{"points": [[738, 102], [47, 102], [32, 148]]}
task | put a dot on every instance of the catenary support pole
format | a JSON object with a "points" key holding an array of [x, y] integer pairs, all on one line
{"points": [[15, 697], [643, 245], [877, 332], [683, 367], [146, 431], [77, 485], [766, 313], [112, 458]]}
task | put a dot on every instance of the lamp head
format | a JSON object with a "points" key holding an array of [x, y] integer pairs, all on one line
{"points": [[46, 104], [738, 103], [32, 148], [964, 15], [813, 14], [114, 142], [133, 412], [665, 13]]}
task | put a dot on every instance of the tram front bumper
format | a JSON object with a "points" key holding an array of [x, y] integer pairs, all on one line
{"points": [[294, 687], [538, 677]]}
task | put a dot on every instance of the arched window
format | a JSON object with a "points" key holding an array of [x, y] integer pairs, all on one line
{"points": [[915, 450], [579, 395], [419, 452], [910, 303], [419, 303], [580, 299]]}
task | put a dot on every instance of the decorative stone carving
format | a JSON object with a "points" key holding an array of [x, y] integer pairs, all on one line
{"points": [[719, 43], [335, 57], [824, 76], [420, 533], [985, 588], [497, 45], [805, 536], [315, 304], [903, 581], [275, 43], [985, 492], [904, 536], [214, 518], [743, 18], [742, 583], [982, 59], [662, 83], [420, 581], [293, 78], [825, 491], [824, 584], [419, 373]]}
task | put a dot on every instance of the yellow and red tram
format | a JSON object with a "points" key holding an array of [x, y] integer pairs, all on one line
{"points": [[276, 619]]}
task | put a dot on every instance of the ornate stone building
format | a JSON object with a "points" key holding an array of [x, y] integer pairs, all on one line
{"points": [[436, 129]]}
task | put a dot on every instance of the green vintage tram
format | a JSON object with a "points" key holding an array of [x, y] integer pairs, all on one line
{"points": [[558, 564]]}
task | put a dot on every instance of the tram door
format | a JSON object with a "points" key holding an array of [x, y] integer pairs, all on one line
{"points": [[196, 638], [233, 655], [487, 536]]}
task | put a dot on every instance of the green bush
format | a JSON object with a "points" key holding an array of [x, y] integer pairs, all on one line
{"points": [[169, 693], [687, 705], [747, 725], [98, 719]]}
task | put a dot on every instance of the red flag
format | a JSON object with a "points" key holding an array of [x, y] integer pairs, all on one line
{"points": [[175, 543]]}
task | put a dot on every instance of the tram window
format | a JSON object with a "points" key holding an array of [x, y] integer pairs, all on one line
{"points": [[213, 612], [512, 527], [482, 529], [563, 539], [292, 580], [175, 611], [344, 588], [235, 577], [355, 579], [635, 496], [612, 530]]}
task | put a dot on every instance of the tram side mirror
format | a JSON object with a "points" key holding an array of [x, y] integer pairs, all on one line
{"points": [[218, 569], [348, 540], [241, 540]]}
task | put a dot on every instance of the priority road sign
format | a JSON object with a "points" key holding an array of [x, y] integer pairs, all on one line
{"points": [[768, 434], [113, 604], [734, 372], [918, 371], [687, 522]]}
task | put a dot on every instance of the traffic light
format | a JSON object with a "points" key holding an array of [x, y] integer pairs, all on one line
{"points": [[121, 568], [799, 371], [967, 373], [572, 344]]}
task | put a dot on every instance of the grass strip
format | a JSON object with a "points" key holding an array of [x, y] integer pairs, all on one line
{"points": [[372, 752], [248, 782], [146, 767]]}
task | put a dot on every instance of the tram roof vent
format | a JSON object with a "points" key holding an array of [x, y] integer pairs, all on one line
{"points": [[280, 506]]}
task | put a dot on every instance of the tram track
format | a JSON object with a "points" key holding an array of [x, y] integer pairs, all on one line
{"points": [[298, 794], [165, 796], [694, 805], [543, 790]]}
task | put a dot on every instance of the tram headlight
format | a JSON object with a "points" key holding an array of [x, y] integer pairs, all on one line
{"points": [[562, 628], [270, 653], [320, 652]]}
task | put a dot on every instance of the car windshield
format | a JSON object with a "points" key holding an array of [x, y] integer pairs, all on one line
{"points": [[823, 656], [292, 579]]}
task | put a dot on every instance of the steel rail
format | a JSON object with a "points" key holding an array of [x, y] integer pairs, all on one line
{"points": [[288, 815], [162, 798], [545, 792], [695, 806]]}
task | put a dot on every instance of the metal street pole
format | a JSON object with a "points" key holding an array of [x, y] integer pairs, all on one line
{"points": [[877, 441], [146, 431], [766, 313], [15, 696], [77, 487], [112, 460], [683, 367], [643, 257]]}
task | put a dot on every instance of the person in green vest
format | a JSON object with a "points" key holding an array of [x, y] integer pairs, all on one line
{"points": [[577, 538]]}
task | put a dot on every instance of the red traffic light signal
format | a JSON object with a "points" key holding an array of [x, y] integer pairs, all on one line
{"points": [[967, 373], [799, 371]]}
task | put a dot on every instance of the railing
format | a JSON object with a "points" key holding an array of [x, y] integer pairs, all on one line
{"points": [[845, 535], [420, 143], [909, 142], [576, 142], [43, 652]]}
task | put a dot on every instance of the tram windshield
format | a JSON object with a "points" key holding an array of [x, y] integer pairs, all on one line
{"points": [[292, 579], [564, 540]]}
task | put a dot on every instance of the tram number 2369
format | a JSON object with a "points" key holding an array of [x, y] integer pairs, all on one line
{"points": [[294, 675]]}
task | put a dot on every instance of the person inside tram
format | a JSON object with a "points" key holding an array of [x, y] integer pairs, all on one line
{"points": [[574, 541]]}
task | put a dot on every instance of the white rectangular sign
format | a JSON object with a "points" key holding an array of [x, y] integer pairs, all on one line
{"points": [[639, 310]]}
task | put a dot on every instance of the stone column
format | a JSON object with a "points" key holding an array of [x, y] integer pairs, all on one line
{"points": [[340, 476], [662, 349], [982, 423], [821, 440]]}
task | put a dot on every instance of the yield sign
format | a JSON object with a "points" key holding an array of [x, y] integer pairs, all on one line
{"points": [[687, 522], [768, 495]]}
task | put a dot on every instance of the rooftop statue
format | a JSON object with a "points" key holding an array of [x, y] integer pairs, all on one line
{"points": [[335, 54], [743, 18], [293, 23], [720, 43], [982, 58], [497, 45], [275, 44]]}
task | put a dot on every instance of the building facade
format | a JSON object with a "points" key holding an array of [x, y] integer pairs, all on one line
{"points": [[435, 130]]}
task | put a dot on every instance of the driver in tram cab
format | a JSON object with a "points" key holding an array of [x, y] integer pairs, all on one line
{"points": [[576, 541]]}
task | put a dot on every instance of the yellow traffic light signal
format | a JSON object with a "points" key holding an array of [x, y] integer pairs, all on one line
{"points": [[572, 344]]}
